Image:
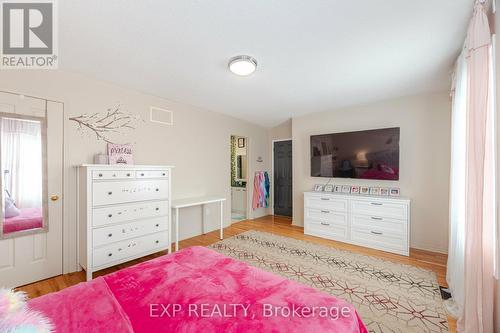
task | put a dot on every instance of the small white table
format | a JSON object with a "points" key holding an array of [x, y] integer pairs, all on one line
{"points": [[201, 201]]}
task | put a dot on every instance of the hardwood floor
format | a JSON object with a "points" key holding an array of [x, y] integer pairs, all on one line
{"points": [[278, 225]]}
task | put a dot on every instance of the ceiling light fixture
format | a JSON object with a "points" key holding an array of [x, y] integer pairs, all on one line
{"points": [[242, 65]]}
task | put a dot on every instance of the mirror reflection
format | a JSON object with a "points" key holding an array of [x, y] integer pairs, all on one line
{"points": [[22, 174]]}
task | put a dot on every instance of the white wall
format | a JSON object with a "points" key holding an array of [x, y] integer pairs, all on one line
{"points": [[198, 144], [424, 158]]}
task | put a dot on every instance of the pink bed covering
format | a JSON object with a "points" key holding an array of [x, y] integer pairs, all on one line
{"points": [[195, 290], [29, 218]]}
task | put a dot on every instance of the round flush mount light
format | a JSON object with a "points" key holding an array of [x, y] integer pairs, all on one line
{"points": [[242, 65]]}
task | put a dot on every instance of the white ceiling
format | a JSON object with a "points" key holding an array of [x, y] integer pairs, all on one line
{"points": [[313, 55]]}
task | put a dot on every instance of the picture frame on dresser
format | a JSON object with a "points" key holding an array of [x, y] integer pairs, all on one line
{"points": [[124, 213], [328, 188]]}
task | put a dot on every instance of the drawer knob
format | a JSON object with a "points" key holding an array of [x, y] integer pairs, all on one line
{"points": [[109, 193], [323, 223], [376, 204], [376, 232], [100, 175], [157, 225], [157, 189], [325, 211], [157, 208], [377, 218], [114, 175], [128, 174], [110, 254], [110, 215], [157, 242], [110, 235], [163, 174], [142, 174], [326, 199]]}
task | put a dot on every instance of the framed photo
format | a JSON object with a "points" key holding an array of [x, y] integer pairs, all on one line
{"points": [[384, 191], [328, 188], [318, 188], [241, 142], [375, 190], [346, 188], [354, 189], [120, 154], [337, 189], [365, 190], [394, 192]]}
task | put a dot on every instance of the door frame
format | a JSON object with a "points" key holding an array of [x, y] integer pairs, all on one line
{"points": [[272, 168], [248, 203], [69, 265]]}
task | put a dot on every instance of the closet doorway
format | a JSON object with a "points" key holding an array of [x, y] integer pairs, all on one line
{"points": [[282, 175], [31, 159], [239, 178]]}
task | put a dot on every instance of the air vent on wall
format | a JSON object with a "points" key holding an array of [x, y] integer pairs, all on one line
{"points": [[161, 116]]}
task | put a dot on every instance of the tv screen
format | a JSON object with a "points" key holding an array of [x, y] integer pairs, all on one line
{"points": [[372, 154]]}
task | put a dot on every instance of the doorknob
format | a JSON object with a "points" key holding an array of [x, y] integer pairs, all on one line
{"points": [[54, 197]]}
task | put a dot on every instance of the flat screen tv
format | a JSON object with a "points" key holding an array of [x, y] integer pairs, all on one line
{"points": [[372, 154]]}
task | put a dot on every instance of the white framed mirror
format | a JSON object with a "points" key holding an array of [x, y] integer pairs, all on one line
{"points": [[23, 146]]}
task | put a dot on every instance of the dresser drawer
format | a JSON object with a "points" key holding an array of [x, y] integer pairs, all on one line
{"points": [[386, 224], [109, 193], [375, 238], [115, 233], [379, 208], [107, 255], [326, 229], [114, 214], [151, 174], [326, 215], [112, 174], [327, 202]]}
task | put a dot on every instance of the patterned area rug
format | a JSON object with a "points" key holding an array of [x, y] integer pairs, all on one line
{"points": [[389, 297]]}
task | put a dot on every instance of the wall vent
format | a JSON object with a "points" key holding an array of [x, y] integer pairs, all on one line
{"points": [[161, 116]]}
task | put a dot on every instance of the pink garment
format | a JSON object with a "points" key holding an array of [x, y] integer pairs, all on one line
{"points": [[29, 218], [195, 276], [256, 191], [479, 247]]}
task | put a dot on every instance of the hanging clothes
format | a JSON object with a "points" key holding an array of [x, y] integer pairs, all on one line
{"points": [[261, 186]]}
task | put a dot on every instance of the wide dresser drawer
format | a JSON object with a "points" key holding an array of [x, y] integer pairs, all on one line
{"points": [[116, 192], [377, 223], [328, 202], [325, 215], [115, 233], [108, 255], [326, 229], [381, 240], [379, 208], [114, 214]]}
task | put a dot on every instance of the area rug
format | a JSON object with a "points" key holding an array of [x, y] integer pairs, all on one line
{"points": [[389, 297]]}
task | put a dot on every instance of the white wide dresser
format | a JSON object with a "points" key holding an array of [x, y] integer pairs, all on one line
{"points": [[123, 213], [382, 223]]}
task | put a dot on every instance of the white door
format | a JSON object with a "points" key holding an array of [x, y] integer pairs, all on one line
{"points": [[31, 159]]}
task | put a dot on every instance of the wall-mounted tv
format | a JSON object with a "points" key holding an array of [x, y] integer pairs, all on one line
{"points": [[372, 154]]}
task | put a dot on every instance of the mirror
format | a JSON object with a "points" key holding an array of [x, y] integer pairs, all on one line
{"points": [[23, 146], [238, 161]]}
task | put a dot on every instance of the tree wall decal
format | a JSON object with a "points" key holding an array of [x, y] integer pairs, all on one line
{"points": [[114, 121]]}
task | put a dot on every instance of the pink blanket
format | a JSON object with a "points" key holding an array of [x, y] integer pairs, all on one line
{"points": [[196, 290], [29, 218]]}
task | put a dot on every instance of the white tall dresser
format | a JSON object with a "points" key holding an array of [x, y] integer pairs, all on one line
{"points": [[123, 213]]}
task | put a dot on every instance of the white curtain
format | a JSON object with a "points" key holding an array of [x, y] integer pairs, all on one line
{"points": [[472, 252], [22, 161], [455, 274]]}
